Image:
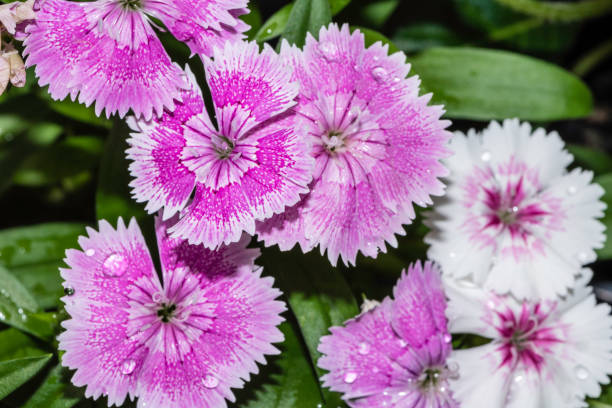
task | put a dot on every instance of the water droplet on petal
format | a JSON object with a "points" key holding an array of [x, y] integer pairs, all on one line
{"points": [[582, 373], [518, 378], [328, 50], [485, 156], [448, 338], [210, 381], [402, 343], [491, 304], [453, 367], [364, 348], [571, 190], [69, 291], [452, 254], [115, 265], [128, 366], [379, 74], [350, 378], [90, 252], [515, 209]]}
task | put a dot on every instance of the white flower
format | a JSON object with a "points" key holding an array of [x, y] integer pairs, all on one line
{"points": [[514, 219], [543, 354]]}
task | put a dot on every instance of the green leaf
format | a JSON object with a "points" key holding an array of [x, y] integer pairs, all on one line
{"points": [[483, 84], [317, 294], [14, 373], [420, 36], [560, 10], [275, 25], [113, 198], [56, 391], [376, 13], [15, 344], [606, 182], [287, 381], [253, 19], [591, 158], [306, 16], [75, 111], [372, 37], [12, 289]]}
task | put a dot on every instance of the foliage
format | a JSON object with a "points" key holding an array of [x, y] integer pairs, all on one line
{"points": [[62, 168]]}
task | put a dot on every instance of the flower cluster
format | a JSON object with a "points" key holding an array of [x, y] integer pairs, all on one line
{"points": [[512, 235], [330, 146]]}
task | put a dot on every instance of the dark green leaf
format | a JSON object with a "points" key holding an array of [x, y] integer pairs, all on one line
{"points": [[275, 25], [113, 198], [12, 289], [483, 84], [14, 373], [591, 158], [253, 19], [15, 344], [76, 111], [376, 13], [287, 381], [306, 16], [418, 37], [606, 182], [56, 391], [37, 244], [372, 37], [317, 293]]}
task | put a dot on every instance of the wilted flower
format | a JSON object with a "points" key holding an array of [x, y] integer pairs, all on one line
{"points": [[15, 13], [394, 355], [376, 144], [544, 353], [247, 168], [514, 219], [107, 51], [180, 343]]}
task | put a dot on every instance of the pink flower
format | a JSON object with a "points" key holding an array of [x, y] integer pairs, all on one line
{"points": [[12, 15], [543, 353], [376, 145], [394, 355], [514, 219], [247, 168], [183, 342], [107, 51]]}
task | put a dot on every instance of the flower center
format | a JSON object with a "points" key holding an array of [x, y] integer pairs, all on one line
{"points": [[334, 142], [223, 146], [166, 311], [131, 4]]}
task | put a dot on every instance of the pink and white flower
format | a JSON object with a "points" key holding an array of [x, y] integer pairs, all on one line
{"points": [[543, 353], [247, 168], [375, 142], [514, 220], [181, 342], [395, 354], [108, 52]]}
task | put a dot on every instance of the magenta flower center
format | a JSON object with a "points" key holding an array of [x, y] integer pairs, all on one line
{"points": [[526, 338], [509, 209]]}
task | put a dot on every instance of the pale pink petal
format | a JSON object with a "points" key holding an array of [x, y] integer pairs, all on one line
{"points": [[98, 283], [160, 177]]}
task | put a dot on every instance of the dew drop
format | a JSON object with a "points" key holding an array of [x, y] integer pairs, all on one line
{"points": [[364, 348], [491, 304], [402, 343], [452, 254], [69, 291], [571, 190], [269, 31], [350, 378], [115, 265], [448, 338], [582, 373], [515, 209], [379, 74], [485, 156], [128, 366], [453, 367], [210, 381], [518, 378], [328, 50], [90, 252]]}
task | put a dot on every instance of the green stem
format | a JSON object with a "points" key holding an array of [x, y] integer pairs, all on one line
{"points": [[559, 11], [593, 58]]}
